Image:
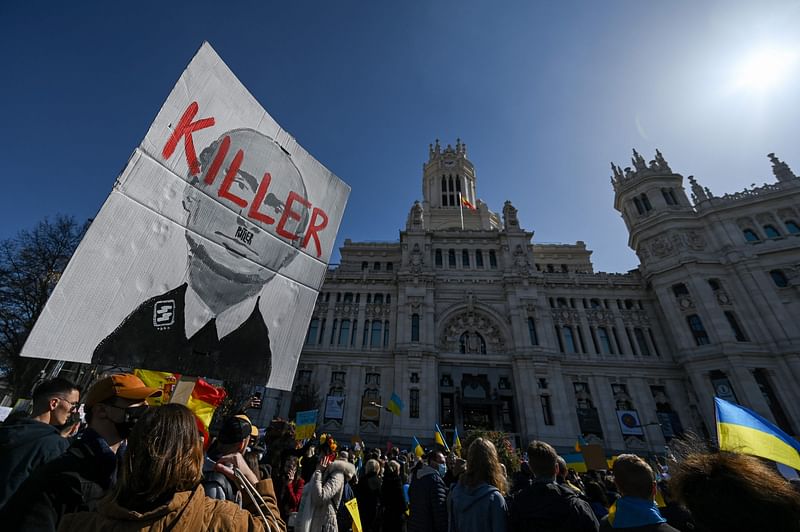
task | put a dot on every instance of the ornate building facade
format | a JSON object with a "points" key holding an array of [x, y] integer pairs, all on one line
{"points": [[475, 325]]}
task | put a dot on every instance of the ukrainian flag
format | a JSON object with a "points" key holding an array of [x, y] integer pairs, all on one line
{"points": [[438, 436], [456, 442], [395, 405], [418, 450], [575, 461], [741, 430], [580, 444]]}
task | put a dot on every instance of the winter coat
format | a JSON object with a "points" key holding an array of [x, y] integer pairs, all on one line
{"points": [[367, 492], [427, 497], [187, 511], [477, 509], [393, 502], [325, 492], [550, 507], [73, 482], [25, 444]]}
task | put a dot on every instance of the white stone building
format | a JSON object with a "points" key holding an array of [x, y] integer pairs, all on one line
{"points": [[473, 324]]}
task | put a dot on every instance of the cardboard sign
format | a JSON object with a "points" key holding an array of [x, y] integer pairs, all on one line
{"points": [[305, 424], [207, 257], [594, 456]]}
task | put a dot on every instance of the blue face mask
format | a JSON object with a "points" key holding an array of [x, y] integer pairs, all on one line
{"points": [[441, 469]]}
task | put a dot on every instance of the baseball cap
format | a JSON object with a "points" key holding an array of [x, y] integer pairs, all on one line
{"points": [[253, 428], [122, 385], [234, 429]]}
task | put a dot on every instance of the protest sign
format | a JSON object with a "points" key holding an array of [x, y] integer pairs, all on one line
{"points": [[207, 257], [305, 423]]}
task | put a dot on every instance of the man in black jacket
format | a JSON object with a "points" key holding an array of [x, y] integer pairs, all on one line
{"points": [[427, 496], [79, 478], [27, 443], [544, 505]]}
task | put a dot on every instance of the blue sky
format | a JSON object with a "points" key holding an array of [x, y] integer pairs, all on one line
{"points": [[544, 94]]}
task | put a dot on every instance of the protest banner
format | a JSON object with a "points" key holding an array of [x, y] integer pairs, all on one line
{"points": [[305, 424], [207, 256]]}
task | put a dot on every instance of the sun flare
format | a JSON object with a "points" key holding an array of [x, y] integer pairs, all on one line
{"points": [[764, 69]]}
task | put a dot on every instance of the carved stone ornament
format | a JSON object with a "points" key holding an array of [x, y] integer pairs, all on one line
{"points": [[378, 310], [415, 259], [471, 322], [346, 309], [521, 263], [600, 317], [415, 302], [565, 316], [635, 317]]}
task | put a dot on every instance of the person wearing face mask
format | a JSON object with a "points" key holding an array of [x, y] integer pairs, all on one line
{"points": [[428, 496], [78, 479]]}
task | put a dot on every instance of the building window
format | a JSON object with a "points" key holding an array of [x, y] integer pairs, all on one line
{"points": [[344, 332], [413, 403], [373, 379], [580, 338], [714, 284], [447, 413], [389, 266], [638, 205], [616, 339], [653, 341], [313, 331], [348, 297], [595, 303], [771, 232], [365, 265], [478, 258], [569, 339], [333, 332], [762, 378], [734, 323], [561, 302], [321, 331], [492, 259], [558, 337], [415, 327], [779, 278], [641, 341], [669, 196], [465, 258], [376, 266], [792, 227], [377, 299], [451, 258], [605, 341], [680, 290], [438, 258], [547, 409], [698, 331], [386, 333], [646, 202], [444, 191], [353, 336], [365, 336], [532, 332], [375, 340], [338, 297], [750, 235]]}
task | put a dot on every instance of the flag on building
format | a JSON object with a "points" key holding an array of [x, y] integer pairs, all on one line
{"points": [[396, 404], [456, 442], [575, 461], [418, 450], [438, 436], [163, 380], [466, 203], [741, 430], [203, 402]]}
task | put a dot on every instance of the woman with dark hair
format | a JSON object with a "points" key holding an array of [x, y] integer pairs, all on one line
{"points": [[158, 485], [477, 503], [393, 500], [733, 492]]}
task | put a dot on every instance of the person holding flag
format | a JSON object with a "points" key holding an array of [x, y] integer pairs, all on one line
{"points": [[438, 437], [417, 447]]}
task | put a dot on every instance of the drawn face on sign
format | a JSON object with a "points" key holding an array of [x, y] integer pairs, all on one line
{"points": [[229, 204]]}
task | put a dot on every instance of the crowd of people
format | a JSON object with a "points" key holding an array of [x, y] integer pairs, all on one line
{"points": [[130, 466]]}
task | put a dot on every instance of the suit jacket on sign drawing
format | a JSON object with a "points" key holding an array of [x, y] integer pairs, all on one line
{"points": [[154, 337]]}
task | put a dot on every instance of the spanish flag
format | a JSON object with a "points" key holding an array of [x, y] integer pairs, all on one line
{"points": [[741, 430], [465, 202], [418, 450], [163, 380], [204, 401], [438, 436]]}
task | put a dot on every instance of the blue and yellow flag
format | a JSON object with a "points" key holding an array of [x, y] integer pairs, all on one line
{"points": [[396, 405], [438, 436], [580, 443], [456, 442], [418, 450], [575, 461], [741, 430]]}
